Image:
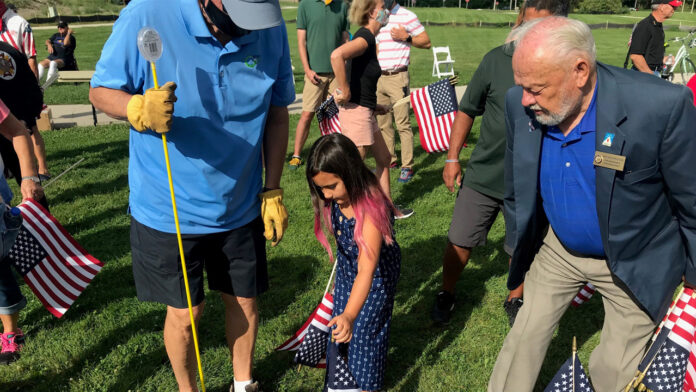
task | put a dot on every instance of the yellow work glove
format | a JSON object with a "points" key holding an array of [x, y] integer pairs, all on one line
{"points": [[154, 109], [274, 215]]}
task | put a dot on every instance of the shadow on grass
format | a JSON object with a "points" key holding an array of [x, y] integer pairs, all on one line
{"points": [[90, 188], [413, 333], [61, 380]]}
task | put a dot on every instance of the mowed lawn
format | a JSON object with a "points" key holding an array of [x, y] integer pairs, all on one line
{"points": [[109, 341]]}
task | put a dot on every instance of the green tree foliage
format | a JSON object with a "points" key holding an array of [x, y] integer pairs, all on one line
{"points": [[599, 7]]}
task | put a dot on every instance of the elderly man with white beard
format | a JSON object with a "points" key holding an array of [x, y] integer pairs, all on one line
{"points": [[599, 187]]}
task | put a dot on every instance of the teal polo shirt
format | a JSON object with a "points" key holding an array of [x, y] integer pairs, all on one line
{"points": [[325, 25], [224, 94]]}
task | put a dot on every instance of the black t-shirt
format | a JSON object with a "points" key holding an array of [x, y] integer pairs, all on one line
{"points": [[62, 51], [364, 72], [19, 89], [648, 40]]}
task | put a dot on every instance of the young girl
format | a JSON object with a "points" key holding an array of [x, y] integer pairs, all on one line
{"points": [[348, 199]]}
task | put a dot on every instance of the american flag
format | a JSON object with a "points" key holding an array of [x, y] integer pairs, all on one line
{"points": [[583, 295], [668, 364], [51, 262], [435, 106], [310, 340], [327, 116], [338, 376], [563, 380]]}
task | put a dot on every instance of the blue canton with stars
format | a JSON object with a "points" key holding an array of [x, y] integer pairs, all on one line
{"points": [[26, 252], [338, 376], [313, 347], [667, 371], [563, 380], [327, 109], [443, 97]]}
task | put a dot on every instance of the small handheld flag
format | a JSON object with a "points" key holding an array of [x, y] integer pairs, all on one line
{"points": [[327, 116]]}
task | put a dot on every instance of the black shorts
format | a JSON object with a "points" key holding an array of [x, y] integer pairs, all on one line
{"points": [[234, 260]]}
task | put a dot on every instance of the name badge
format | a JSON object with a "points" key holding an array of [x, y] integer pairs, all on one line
{"points": [[610, 161]]}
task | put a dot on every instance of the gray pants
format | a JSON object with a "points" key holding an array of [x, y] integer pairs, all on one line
{"points": [[551, 283]]}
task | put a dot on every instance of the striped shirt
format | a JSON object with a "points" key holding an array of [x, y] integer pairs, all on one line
{"points": [[17, 32], [396, 54]]}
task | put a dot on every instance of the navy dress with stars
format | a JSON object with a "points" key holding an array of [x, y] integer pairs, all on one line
{"points": [[367, 350]]}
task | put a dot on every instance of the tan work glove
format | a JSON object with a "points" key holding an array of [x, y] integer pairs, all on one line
{"points": [[274, 215], [153, 110]]}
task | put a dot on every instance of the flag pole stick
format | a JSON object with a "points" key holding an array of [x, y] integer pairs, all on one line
{"points": [[328, 284], [52, 180], [575, 350], [638, 377], [181, 246]]}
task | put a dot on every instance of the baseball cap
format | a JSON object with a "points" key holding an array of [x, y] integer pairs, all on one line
{"points": [[254, 14], [673, 3], [62, 24]]}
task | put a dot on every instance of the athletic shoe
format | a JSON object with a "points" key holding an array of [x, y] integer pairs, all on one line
{"points": [[403, 212], [12, 344], [295, 162], [511, 307], [253, 387], [44, 177], [406, 174], [442, 308], [394, 165]]}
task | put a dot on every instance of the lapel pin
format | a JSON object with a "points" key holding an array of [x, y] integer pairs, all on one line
{"points": [[608, 139]]}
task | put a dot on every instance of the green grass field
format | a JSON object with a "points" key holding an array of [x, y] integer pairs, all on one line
{"points": [[109, 341]]}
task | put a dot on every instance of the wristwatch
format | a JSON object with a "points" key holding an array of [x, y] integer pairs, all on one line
{"points": [[409, 39], [33, 178]]}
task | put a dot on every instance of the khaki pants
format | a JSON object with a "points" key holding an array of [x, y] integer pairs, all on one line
{"points": [[314, 94], [391, 88], [551, 283]]}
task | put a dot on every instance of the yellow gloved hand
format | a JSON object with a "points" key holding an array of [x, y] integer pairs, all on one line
{"points": [[153, 110], [274, 215]]}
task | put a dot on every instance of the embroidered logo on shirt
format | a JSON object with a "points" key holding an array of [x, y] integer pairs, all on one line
{"points": [[608, 139], [8, 67], [251, 61]]}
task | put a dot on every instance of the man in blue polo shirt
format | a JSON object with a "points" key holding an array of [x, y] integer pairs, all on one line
{"points": [[600, 187], [229, 62]]}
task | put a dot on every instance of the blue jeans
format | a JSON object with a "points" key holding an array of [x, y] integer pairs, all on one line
{"points": [[11, 298]]}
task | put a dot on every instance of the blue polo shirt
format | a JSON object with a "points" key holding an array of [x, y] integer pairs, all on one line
{"points": [[567, 184], [224, 93]]}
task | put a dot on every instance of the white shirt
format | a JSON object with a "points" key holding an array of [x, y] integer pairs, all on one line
{"points": [[396, 54], [17, 32]]}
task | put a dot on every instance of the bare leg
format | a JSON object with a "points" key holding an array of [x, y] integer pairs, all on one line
{"points": [[39, 150], [453, 263], [382, 158], [241, 327], [178, 340], [302, 131], [9, 322]]}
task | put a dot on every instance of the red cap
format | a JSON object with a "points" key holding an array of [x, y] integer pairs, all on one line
{"points": [[675, 3]]}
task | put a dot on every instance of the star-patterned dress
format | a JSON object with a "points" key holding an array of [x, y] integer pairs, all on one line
{"points": [[367, 350]]}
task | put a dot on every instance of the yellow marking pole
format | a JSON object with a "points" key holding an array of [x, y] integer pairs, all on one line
{"points": [[181, 246]]}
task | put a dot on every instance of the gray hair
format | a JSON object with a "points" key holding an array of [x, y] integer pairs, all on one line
{"points": [[655, 6], [562, 37]]}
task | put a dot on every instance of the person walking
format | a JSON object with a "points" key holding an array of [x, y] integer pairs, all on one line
{"points": [[647, 48], [599, 188]]}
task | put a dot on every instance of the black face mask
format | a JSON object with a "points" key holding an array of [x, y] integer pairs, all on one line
{"points": [[222, 21]]}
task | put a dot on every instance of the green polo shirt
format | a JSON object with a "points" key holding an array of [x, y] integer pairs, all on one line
{"points": [[325, 25], [485, 95]]}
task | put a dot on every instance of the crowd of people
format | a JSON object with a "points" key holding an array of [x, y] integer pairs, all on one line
{"points": [[593, 176]]}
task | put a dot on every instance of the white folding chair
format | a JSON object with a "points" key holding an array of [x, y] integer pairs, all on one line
{"points": [[443, 65]]}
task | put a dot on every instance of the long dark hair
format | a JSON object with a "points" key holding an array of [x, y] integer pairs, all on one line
{"points": [[336, 154]]}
